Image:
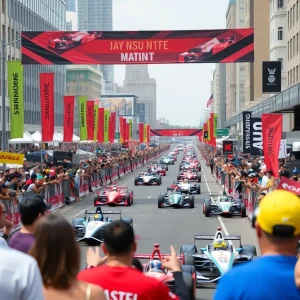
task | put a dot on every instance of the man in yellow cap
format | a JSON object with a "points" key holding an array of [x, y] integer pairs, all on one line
{"points": [[271, 275]]}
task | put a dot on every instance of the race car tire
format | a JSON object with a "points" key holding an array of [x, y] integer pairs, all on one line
{"points": [[191, 201], [167, 168], [136, 181], [199, 177], [158, 180], [207, 208], [128, 221], [127, 199], [96, 198], [189, 282], [243, 210], [160, 201], [249, 249], [172, 162], [198, 188], [188, 249]]}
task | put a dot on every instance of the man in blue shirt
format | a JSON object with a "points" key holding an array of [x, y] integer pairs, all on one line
{"points": [[270, 276]]}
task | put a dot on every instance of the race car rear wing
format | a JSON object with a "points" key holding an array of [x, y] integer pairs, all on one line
{"points": [[212, 237], [107, 212]]}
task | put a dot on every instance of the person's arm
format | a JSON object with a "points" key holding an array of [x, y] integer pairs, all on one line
{"points": [[297, 273]]}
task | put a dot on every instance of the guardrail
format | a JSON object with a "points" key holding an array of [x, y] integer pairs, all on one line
{"points": [[58, 192]]}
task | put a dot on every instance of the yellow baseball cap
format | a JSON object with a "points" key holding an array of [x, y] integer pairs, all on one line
{"points": [[279, 214]]}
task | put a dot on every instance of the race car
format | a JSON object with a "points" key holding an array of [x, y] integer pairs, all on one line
{"points": [[190, 175], [180, 147], [114, 196], [212, 261], [184, 166], [223, 204], [147, 178], [90, 228], [185, 186], [173, 155], [167, 160], [158, 169], [195, 164], [71, 40], [175, 198], [154, 269]]}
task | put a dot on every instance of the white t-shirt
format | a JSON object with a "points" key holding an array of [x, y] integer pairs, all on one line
{"points": [[31, 187], [264, 181], [20, 276]]}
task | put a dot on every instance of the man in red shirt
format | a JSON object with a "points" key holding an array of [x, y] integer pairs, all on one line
{"points": [[117, 277]]}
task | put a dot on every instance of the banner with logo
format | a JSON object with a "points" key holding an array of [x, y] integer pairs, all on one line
{"points": [[130, 129], [68, 118], [272, 132], [106, 125], [227, 147], [212, 130], [47, 106], [141, 133], [11, 158], [208, 130], [121, 130], [15, 79], [289, 185], [96, 106], [247, 131], [127, 132], [215, 117], [100, 135], [82, 121], [90, 120], [256, 137], [271, 79], [148, 133], [137, 47], [145, 133], [112, 127]]}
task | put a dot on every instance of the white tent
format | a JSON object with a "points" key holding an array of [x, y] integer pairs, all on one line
{"points": [[26, 139], [76, 139], [37, 137]]}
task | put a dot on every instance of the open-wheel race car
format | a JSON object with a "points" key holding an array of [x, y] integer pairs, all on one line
{"points": [[90, 228], [223, 204], [147, 178], [175, 198], [215, 259], [158, 169], [114, 196], [190, 175], [155, 270], [186, 187], [167, 160]]}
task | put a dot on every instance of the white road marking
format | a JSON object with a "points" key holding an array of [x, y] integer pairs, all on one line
{"points": [[149, 197], [79, 213]]}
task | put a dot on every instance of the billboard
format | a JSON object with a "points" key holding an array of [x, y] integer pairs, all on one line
{"points": [[141, 111], [175, 132], [138, 47], [123, 105]]}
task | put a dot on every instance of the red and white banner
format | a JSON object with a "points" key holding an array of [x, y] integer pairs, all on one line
{"points": [[289, 185], [112, 127], [47, 106], [90, 119], [148, 133], [272, 132], [141, 133], [68, 118], [100, 136]]}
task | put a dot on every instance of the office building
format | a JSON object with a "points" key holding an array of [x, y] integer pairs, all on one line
{"points": [[138, 82], [71, 5], [69, 25], [279, 36], [43, 15], [83, 80], [97, 15]]}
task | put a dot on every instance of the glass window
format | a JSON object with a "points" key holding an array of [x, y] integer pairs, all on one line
{"points": [[280, 3], [280, 33]]}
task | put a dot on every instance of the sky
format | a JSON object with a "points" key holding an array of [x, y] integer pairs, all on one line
{"points": [[182, 89]]}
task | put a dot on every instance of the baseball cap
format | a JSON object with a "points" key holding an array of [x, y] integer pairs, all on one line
{"points": [[278, 214], [33, 205]]}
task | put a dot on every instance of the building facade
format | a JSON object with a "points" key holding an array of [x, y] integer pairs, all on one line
{"points": [[82, 80], [138, 82], [43, 15], [97, 15], [71, 5], [69, 25]]}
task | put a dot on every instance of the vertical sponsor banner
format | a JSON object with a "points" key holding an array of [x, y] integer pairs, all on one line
{"points": [[121, 129], [205, 134], [100, 135], [215, 117], [112, 127], [90, 120], [106, 125], [145, 133], [130, 129], [256, 137], [208, 130], [272, 132], [271, 79], [212, 130], [16, 98], [148, 133], [68, 118], [127, 132], [124, 128], [141, 132], [247, 131], [47, 106], [82, 121], [96, 111]]}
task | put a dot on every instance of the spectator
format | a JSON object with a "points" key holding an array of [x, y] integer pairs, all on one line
{"points": [[77, 181], [2, 223], [284, 172], [31, 210], [36, 187], [59, 271], [4, 198], [278, 232], [117, 277]]}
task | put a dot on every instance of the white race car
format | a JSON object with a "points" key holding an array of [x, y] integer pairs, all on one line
{"points": [[147, 178]]}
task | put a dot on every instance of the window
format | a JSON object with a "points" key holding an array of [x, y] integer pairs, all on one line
{"points": [[297, 41], [288, 19], [280, 33], [279, 3], [297, 11], [297, 75]]}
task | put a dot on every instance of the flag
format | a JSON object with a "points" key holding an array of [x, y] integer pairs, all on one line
{"points": [[148, 133], [141, 132], [16, 98], [212, 130], [82, 121], [272, 132], [47, 106], [68, 118], [215, 125], [112, 127], [145, 133], [210, 101], [208, 130], [100, 135], [130, 130], [121, 130], [127, 132], [96, 111], [90, 120], [106, 125]]}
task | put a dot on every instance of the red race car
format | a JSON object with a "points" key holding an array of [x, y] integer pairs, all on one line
{"points": [[114, 196], [195, 164], [190, 175], [155, 269]]}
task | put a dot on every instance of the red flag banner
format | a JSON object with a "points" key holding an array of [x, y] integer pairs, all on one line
{"points": [[272, 133], [121, 129], [124, 129], [47, 106], [212, 129], [289, 185], [68, 118], [100, 135], [112, 127], [90, 120], [127, 132], [148, 133], [141, 132]]}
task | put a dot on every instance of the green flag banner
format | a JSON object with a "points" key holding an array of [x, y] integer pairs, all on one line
{"points": [[96, 110], [82, 121], [16, 99], [106, 125], [215, 124], [130, 129]]}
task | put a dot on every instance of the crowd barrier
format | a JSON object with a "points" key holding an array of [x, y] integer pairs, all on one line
{"points": [[235, 188], [60, 191]]}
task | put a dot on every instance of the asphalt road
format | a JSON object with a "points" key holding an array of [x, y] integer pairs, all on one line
{"points": [[169, 226]]}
